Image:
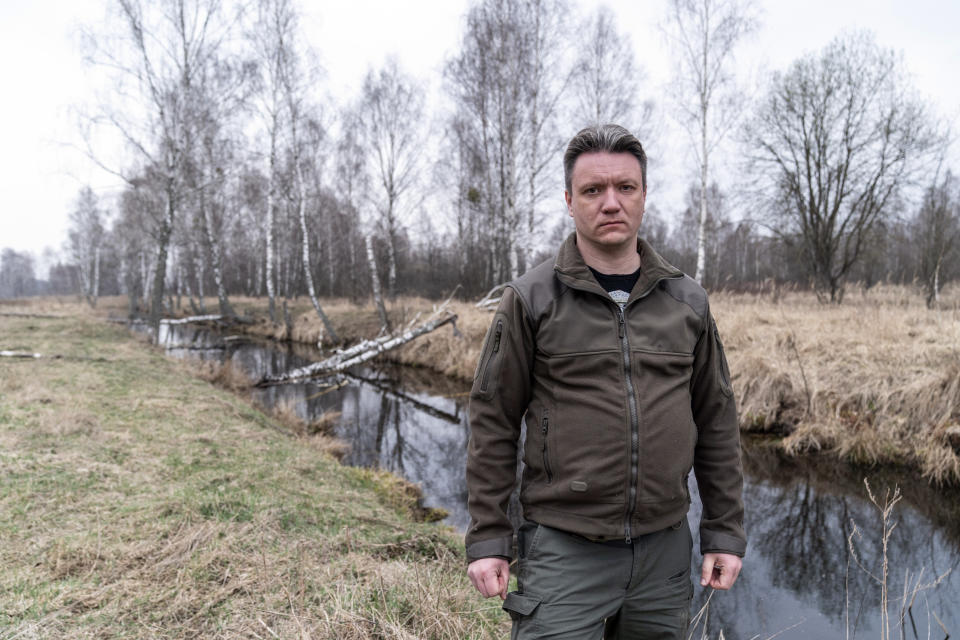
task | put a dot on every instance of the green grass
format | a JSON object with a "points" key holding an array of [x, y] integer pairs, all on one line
{"points": [[137, 501]]}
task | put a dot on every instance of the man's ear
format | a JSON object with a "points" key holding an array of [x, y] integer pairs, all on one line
{"points": [[566, 196]]}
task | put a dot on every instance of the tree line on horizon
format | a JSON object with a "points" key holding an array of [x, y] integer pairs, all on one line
{"points": [[243, 179]]}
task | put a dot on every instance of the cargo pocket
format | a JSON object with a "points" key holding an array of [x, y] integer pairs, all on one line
{"points": [[520, 606]]}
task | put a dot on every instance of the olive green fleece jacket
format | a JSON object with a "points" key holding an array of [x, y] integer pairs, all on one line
{"points": [[619, 405]]}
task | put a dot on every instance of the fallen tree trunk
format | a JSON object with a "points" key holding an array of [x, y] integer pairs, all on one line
{"points": [[360, 353], [224, 320], [207, 318], [27, 355], [32, 315]]}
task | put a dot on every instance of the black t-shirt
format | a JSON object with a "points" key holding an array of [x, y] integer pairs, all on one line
{"points": [[618, 285]]}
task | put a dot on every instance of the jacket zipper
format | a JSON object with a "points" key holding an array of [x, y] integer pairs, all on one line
{"points": [[493, 352], [632, 403], [634, 427], [544, 428]]}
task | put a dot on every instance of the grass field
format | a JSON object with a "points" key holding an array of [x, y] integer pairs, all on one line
{"points": [[138, 500]]}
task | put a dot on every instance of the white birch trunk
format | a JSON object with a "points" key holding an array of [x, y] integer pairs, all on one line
{"points": [[189, 291], [392, 272], [305, 244], [96, 275], [936, 281], [124, 273], [163, 245], [702, 232], [215, 257], [328, 249], [198, 267], [95, 292], [271, 195], [143, 274], [84, 273], [178, 277], [375, 278]]}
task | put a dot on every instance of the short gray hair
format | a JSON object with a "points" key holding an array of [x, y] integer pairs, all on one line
{"points": [[611, 138]]}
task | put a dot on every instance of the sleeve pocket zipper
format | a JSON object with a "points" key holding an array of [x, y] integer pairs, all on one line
{"points": [[493, 352], [545, 428]]}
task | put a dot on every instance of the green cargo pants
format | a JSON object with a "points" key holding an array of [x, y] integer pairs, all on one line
{"points": [[572, 588]]}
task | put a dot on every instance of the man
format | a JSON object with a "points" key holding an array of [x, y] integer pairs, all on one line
{"points": [[613, 360]]}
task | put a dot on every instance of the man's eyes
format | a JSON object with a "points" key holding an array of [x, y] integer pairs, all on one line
{"points": [[595, 190]]}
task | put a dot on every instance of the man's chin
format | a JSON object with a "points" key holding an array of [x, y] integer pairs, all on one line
{"points": [[617, 234]]}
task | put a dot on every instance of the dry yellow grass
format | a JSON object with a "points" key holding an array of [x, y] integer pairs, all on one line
{"points": [[875, 380]]}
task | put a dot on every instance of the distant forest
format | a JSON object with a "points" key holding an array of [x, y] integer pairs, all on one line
{"points": [[242, 178]]}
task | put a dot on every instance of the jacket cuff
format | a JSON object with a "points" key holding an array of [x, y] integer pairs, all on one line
{"points": [[716, 542], [494, 547]]}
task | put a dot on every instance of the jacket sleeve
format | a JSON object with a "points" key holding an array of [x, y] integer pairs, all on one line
{"points": [[498, 400], [716, 462]]}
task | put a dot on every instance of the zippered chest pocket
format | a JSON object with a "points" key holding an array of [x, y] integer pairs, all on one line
{"points": [[488, 370]]}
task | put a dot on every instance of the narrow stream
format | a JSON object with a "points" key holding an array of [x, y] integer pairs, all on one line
{"points": [[800, 580]]}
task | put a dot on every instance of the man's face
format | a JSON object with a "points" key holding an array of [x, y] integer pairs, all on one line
{"points": [[606, 200]]}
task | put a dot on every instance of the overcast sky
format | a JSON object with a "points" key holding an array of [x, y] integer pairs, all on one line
{"points": [[44, 77]]}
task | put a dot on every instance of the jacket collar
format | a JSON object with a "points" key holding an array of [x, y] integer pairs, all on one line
{"points": [[574, 272]]}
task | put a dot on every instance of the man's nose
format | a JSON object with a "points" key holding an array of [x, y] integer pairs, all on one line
{"points": [[610, 203]]}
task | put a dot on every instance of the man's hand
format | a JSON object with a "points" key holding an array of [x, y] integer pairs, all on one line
{"points": [[490, 576], [719, 570]]}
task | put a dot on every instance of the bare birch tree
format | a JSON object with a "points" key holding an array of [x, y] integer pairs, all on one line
{"points": [[500, 85], [267, 37], [294, 82], [140, 205], [545, 21], [284, 111], [704, 35], [606, 79], [220, 92], [835, 143], [155, 62], [84, 242], [936, 234], [351, 176], [391, 111]]}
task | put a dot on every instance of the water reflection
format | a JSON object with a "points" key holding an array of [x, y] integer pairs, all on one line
{"points": [[798, 570]]}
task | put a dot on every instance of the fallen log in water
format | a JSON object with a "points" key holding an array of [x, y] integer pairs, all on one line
{"points": [[361, 352]]}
